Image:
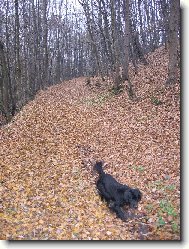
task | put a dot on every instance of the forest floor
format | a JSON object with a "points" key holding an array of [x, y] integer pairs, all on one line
{"points": [[47, 183]]}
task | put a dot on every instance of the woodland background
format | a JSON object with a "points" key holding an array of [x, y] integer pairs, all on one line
{"points": [[44, 42]]}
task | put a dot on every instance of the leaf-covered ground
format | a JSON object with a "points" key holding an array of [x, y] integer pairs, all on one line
{"points": [[47, 183]]}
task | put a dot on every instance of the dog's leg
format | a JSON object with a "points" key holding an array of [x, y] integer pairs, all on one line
{"points": [[103, 192], [115, 206], [119, 212]]}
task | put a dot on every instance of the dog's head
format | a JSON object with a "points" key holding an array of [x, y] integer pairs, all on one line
{"points": [[132, 197]]}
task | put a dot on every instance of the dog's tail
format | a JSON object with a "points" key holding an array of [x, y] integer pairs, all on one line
{"points": [[98, 168]]}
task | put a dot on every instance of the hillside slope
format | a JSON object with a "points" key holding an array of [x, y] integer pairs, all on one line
{"points": [[47, 183]]}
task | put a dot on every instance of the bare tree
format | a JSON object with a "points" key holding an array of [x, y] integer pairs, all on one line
{"points": [[18, 78], [45, 46], [4, 84], [125, 75], [173, 42], [127, 40], [90, 28], [116, 66]]}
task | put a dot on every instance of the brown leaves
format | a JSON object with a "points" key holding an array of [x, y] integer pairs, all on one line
{"points": [[48, 184]]}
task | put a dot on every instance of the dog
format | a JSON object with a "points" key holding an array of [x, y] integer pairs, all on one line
{"points": [[116, 194]]}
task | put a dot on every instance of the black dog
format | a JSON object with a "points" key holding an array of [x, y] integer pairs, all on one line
{"points": [[116, 194]]}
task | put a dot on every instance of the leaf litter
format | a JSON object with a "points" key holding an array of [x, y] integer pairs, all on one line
{"points": [[47, 182]]}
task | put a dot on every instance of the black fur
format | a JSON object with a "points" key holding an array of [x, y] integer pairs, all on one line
{"points": [[116, 194]]}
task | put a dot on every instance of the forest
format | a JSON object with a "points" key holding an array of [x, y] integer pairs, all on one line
{"points": [[82, 81]]}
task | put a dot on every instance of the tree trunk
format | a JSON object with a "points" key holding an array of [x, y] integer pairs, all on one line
{"points": [[18, 79], [90, 29], [8, 59], [173, 42], [125, 75], [116, 71], [165, 20], [45, 48], [4, 86]]}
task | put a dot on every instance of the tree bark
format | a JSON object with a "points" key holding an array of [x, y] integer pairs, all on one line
{"points": [[45, 48], [173, 42], [125, 75], [4, 85], [18, 79], [91, 34], [116, 70]]}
